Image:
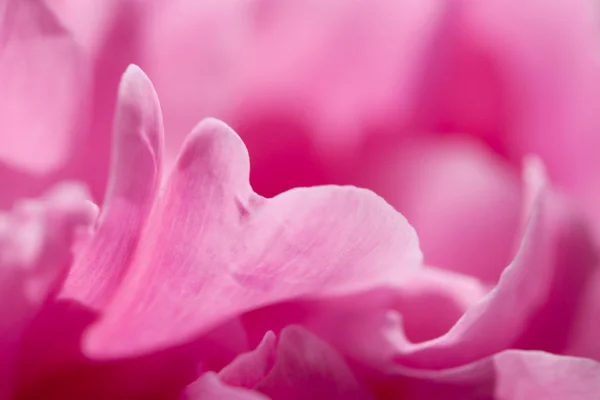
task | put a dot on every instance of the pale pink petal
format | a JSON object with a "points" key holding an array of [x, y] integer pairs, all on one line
{"points": [[508, 375], [259, 62], [525, 78], [308, 368], [43, 81], [450, 188], [87, 21], [210, 387], [214, 249], [522, 375], [441, 320], [117, 47], [135, 179], [35, 254], [534, 303], [364, 327]]}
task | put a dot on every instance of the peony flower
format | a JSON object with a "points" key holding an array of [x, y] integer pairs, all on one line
{"points": [[192, 285], [177, 283]]}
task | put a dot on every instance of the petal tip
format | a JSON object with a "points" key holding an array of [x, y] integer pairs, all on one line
{"points": [[138, 112], [215, 140]]}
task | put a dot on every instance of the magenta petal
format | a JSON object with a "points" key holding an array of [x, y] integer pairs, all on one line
{"points": [[135, 178], [308, 368], [214, 249], [35, 253], [42, 80], [248, 369], [209, 387], [522, 375]]}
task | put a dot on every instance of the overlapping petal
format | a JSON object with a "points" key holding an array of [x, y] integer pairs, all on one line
{"points": [[540, 287], [525, 79], [136, 172], [213, 249], [446, 187], [209, 387], [35, 254]]}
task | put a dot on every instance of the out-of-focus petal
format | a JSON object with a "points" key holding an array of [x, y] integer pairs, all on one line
{"points": [[87, 21], [526, 79], [523, 375], [527, 308], [463, 201], [248, 369], [306, 367], [43, 81], [214, 249], [210, 387], [135, 179], [338, 77], [364, 327], [533, 306], [35, 253]]}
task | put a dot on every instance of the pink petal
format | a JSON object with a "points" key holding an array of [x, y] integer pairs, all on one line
{"points": [[214, 249], [136, 174], [248, 369], [43, 79], [308, 368], [87, 21], [534, 303], [364, 327], [522, 375], [450, 187], [35, 253], [438, 320], [586, 328], [209, 387], [261, 63], [503, 77]]}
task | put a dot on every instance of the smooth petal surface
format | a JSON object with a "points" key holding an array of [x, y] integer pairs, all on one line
{"points": [[258, 59], [248, 369], [214, 249], [209, 387], [524, 78], [35, 253], [450, 187], [438, 319], [42, 81], [136, 174], [306, 367], [539, 289], [536, 375]]}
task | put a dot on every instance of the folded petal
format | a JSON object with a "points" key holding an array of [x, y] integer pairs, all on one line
{"points": [[42, 76], [534, 304], [135, 179], [35, 253], [523, 375], [214, 249], [308, 368], [248, 369], [439, 319]]}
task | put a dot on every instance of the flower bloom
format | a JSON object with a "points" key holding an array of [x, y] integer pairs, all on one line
{"points": [[189, 284]]}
